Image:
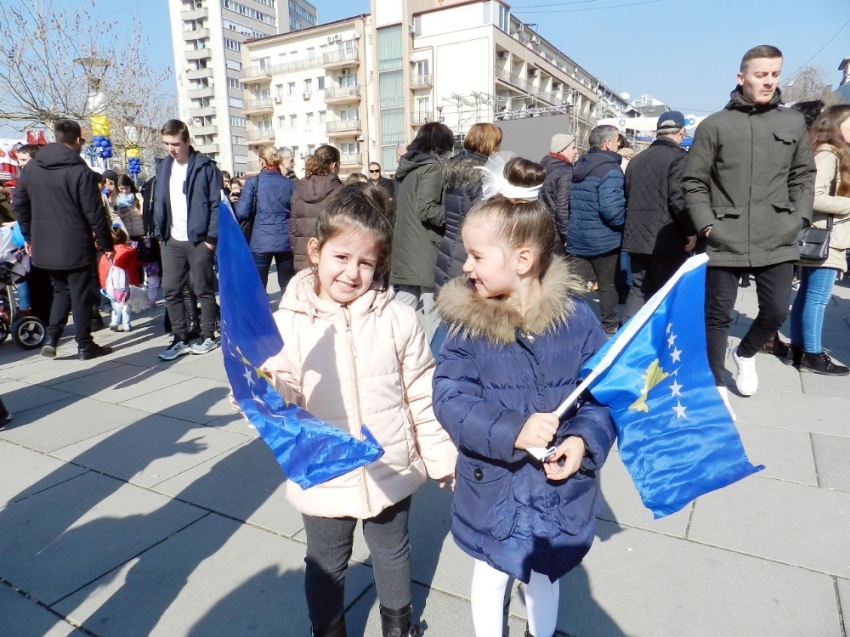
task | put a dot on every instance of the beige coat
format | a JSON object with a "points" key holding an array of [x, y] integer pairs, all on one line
{"points": [[367, 362], [827, 205], [132, 218]]}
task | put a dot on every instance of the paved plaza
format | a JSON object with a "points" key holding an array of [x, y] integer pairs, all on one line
{"points": [[134, 502]]}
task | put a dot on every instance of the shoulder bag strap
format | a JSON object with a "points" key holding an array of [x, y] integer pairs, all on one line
{"points": [[254, 199]]}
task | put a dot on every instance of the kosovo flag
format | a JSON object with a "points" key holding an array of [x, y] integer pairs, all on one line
{"points": [[309, 450], [674, 432]]}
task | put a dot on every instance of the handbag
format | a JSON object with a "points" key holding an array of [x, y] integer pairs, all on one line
{"points": [[148, 249], [813, 243], [247, 225]]}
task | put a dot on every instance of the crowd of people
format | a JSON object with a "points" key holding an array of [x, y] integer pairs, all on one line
{"points": [[483, 258]]}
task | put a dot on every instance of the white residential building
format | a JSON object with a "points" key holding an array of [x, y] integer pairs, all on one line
{"points": [[407, 63], [207, 36]]}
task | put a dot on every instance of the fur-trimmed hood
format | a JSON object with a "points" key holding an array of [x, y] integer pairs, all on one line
{"points": [[461, 170], [497, 320]]}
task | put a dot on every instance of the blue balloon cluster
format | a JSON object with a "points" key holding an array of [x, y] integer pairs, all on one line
{"points": [[103, 146], [134, 165]]}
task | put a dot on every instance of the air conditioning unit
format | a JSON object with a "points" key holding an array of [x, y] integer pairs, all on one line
{"points": [[535, 39], [307, 96], [532, 72], [330, 39], [411, 29], [337, 37], [278, 100], [502, 55], [345, 72]]}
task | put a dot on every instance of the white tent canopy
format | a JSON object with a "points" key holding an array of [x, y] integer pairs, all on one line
{"points": [[646, 124]]}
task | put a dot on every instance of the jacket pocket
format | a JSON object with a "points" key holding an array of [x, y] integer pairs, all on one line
{"points": [[782, 149], [483, 498], [786, 225], [579, 504]]}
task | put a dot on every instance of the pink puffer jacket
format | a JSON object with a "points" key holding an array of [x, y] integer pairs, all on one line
{"points": [[367, 362]]}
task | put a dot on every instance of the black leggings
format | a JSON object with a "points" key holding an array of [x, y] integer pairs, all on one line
{"points": [[329, 542]]}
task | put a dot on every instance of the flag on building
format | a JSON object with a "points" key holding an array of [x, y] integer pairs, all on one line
{"points": [[309, 450], [674, 433]]}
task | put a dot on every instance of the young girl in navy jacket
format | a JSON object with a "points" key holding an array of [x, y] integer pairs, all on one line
{"points": [[518, 336]]}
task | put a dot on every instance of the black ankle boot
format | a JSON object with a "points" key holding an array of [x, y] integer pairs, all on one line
{"points": [[795, 355], [822, 364], [334, 630], [395, 623]]}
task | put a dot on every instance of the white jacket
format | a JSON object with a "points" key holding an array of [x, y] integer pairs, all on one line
{"points": [[364, 363], [827, 205]]}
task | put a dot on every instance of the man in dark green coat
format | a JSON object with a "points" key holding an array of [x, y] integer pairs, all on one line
{"points": [[749, 187]]}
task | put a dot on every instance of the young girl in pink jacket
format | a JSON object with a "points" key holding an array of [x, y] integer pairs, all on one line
{"points": [[353, 355]]}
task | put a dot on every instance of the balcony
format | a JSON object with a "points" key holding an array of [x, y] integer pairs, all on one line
{"points": [[200, 93], [341, 58], [257, 107], [202, 111], [197, 34], [194, 14], [340, 94], [259, 137], [343, 128], [207, 149], [513, 80], [422, 81], [253, 166], [198, 54], [256, 74], [199, 74], [201, 131], [351, 159], [417, 118]]}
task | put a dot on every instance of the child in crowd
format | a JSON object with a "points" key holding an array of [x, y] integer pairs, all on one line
{"points": [[517, 337], [353, 355], [127, 204], [117, 276]]}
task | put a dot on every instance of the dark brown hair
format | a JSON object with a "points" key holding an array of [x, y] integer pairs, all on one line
{"points": [[433, 138], [175, 127], [522, 224], [483, 139], [66, 131], [827, 131], [320, 162], [760, 52], [360, 207], [127, 182], [119, 236]]}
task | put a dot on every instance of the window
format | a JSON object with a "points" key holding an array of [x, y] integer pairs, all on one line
{"points": [[294, 25], [233, 45], [281, 122], [278, 91], [308, 86], [237, 139], [293, 56], [237, 121], [291, 87], [232, 82], [233, 65], [302, 12], [293, 121], [248, 12], [350, 148], [423, 68], [295, 151], [235, 102], [308, 120], [504, 18], [311, 148], [320, 81], [264, 125], [323, 116], [311, 52], [347, 80]]}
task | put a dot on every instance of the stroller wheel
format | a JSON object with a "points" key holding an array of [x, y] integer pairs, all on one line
{"points": [[29, 332], [4, 330]]}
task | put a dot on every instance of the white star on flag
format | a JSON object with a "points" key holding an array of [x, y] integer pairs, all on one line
{"points": [[676, 354], [680, 411], [671, 340], [676, 388]]}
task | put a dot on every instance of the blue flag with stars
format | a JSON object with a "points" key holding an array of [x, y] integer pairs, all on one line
{"points": [[310, 451], [674, 433]]}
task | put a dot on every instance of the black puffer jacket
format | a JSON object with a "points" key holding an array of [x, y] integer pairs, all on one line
{"points": [[656, 219], [555, 193], [463, 190], [307, 202]]}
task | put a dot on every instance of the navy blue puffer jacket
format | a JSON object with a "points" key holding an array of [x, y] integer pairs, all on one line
{"points": [[271, 225], [597, 204], [490, 377]]}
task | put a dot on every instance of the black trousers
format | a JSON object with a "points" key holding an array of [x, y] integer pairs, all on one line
{"points": [[329, 542], [604, 266], [773, 290], [649, 274], [284, 262], [72, 292], [186, 262]]}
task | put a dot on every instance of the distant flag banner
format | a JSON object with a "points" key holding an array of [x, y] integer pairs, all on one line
{"points": [[674, 432], [309, 450]]}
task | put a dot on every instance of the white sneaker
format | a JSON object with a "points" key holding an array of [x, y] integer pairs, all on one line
{"points": [[746, 377], [724, 394], [205, 346], [177, 348]]}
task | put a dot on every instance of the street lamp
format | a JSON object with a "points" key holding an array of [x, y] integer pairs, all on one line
{"points": [[92, 68]]}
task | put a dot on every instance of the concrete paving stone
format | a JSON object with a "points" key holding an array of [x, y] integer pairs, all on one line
{"points": [[216, 577], [640, 584], [197, 400], [209, 366], [827, 415], [245, 483], [26, 472], [844, 598], [13, 356], [67, 421], [235, 422], [785, 453], [622, 504], [828, 386], [773, 374], [791, 523], [49, 372], [19, 397], [63, 538], [150, 450], [831, 457], [443, 615], [23, 617], [121, 384]]}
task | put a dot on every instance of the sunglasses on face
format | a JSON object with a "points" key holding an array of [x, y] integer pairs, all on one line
{"points": [[374, 171]]}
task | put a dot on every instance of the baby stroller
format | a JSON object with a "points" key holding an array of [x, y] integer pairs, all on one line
{"points": [[28, 331]]}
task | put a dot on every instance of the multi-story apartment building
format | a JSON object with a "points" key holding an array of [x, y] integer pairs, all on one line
{"points": [[207, 37], [407, 63]]}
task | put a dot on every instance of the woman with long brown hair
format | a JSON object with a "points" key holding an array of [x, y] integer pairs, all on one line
{"points": [[830, 139]]}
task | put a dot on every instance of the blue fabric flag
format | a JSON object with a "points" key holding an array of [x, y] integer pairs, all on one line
{"points": [[309, 450], [674, 433]]}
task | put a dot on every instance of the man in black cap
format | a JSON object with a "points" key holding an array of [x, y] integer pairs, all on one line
{"points": [[658, 235], [63, 192]]}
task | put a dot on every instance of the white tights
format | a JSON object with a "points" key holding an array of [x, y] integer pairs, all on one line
{"points": [[488, 602]]}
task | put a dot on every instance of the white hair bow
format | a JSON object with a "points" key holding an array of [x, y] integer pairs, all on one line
{"points": [[496, 184]]}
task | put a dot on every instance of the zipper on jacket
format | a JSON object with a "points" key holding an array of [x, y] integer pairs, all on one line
{"points": [[352, 350]]}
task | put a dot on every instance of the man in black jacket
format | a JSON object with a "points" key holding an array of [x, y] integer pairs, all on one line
{"points": [[186, 199], [58, 206], [658, 235], [555, 192], [381, 182]]}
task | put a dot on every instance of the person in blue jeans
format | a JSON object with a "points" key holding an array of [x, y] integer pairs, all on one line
{"points": [[270, 236], [830, 138]]}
